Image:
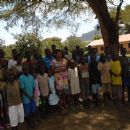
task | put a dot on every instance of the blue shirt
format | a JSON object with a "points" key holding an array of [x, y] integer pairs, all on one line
{"points": [[27, 83], [97, 58], [47, 62]]}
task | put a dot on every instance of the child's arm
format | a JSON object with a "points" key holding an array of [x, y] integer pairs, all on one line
{"points": [[49, 86], [112, 73], [33, 85], [25, 93], [99, 66]]}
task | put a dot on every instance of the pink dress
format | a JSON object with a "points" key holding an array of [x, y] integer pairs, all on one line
{"points": [[61, 77], [37, 92]]}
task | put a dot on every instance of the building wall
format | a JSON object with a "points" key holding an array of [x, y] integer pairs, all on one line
{"points": [[100, 48], [126, 45]]}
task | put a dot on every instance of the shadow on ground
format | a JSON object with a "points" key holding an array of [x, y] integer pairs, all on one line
{"points": [[101, 118]]}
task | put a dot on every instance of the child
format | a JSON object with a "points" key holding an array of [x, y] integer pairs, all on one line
{"points": [[36, 91], [15, 106], [27, 86], [94, 79], [104, 68], [53, 98], [84, 80], [127, 79], [12, 62], [3, 103], [19, 65], [74, 82], [43, 85], [124, 66], [116, 79]]}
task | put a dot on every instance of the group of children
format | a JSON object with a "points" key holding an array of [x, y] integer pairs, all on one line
{"points": [[30, 89]]}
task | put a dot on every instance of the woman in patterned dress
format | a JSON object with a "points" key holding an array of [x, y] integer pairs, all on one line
{"points": [[60, 70]]}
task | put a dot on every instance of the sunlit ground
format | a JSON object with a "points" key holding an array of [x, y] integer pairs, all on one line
{"points": [[108, 117], [100, 118]]}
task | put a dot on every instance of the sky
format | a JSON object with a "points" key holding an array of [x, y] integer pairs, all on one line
{"points": [[62, 33]]}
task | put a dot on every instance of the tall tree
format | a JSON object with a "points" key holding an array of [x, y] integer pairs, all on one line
{"points": [[72, 41], [61, 12], [28, 43], [46, 43]]}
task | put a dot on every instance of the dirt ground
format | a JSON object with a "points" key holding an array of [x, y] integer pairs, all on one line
{"points": [[100, 118]]}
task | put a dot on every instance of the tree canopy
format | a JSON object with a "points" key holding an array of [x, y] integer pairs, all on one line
{"points": [[28, 42], [46, 43], [72, 41], [35, 13]]}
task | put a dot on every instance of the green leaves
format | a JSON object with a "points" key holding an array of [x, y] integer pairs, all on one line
{"points": [[28, 43], [72, 41], [46, 12]]}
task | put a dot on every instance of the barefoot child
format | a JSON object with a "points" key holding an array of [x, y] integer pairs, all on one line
{"points": [[27, 87], [43, 85], [94, 79], [15, 106], [36, 91], [104, 68], [74, 82], [3, 102], [84, 81], [116, 79]]}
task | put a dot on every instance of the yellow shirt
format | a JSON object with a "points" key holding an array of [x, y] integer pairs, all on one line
{"points": [[116, 69]]}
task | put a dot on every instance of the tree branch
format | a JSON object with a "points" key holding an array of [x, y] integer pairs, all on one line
{"points": [[117, 17], [112, 3]]}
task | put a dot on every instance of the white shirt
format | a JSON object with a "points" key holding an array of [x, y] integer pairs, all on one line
{"points": [[53, 98], [11, 63]]}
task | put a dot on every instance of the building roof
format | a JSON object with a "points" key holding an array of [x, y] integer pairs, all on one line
{"points": [[122, 38]]}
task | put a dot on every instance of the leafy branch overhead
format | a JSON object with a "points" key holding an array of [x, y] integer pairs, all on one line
{"points": [[46, 12], [40, 13]]}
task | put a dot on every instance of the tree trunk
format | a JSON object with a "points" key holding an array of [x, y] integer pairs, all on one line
{"points": [[109, 28]]}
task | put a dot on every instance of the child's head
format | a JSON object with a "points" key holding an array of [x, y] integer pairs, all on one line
{"points": [[35, 75], [123, 51], [47, 52], [59, 54], [19, 60], [82, 60], [10, 75], [28, 55], [25, 69], [14, 54], [41, 69], [72, 64], [53, 47], [32, 68], [49, 73], [115, 57], [102, 58]]}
